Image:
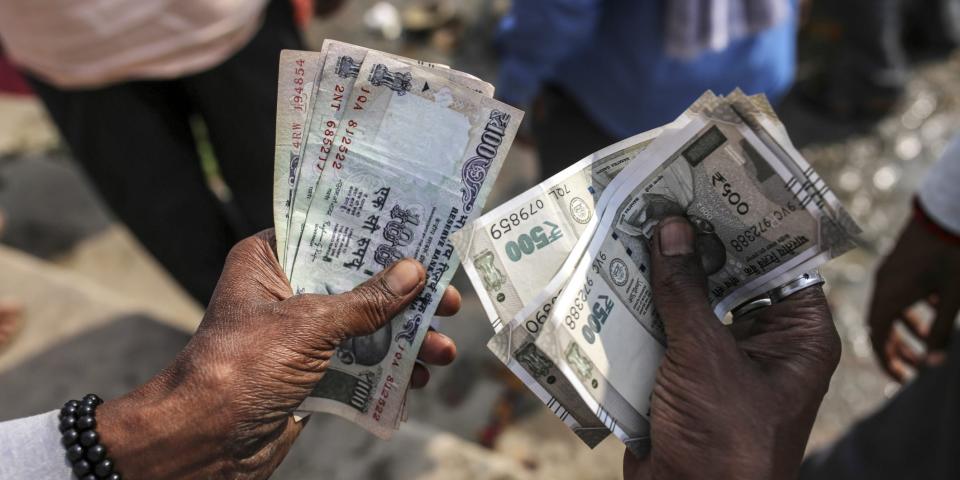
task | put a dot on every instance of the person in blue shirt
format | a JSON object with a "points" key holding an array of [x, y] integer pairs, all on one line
{"points": [[592, 72]]}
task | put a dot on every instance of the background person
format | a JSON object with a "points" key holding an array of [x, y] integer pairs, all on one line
{"points": [[122, 80], [591, 72], [917, 433], [223, 408], [870, 73]]}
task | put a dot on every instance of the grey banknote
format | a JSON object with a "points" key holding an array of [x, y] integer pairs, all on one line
{"points": [[539, 227], [297, 74], [761, 219], [332, 89], [419, 155]]}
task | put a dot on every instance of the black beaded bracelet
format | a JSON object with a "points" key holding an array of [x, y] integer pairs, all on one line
{"points": [[78, 426]]}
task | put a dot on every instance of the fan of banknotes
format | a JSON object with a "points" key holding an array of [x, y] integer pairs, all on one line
{"points": [[562, 269], [378, 158]]}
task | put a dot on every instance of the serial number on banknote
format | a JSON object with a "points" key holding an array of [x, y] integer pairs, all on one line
{"points": [[764, 225]]}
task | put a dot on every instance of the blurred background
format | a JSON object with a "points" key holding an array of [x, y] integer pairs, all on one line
{"points": [[82, 290]]}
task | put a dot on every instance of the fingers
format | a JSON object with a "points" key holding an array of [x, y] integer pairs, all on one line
{"points": [[888, 304], [449, 303], [913, 320], [371, 304], [679, 284], [437, 349], [419, 377]]}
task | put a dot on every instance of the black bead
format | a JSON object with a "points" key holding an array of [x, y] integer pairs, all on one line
{"points": [[93, 399], [114, 476], [88, 438], [96, 453], [81, 467], [66, 423], [72, 403], [69, 437], [86, 422], [103, 468], [89, 476], [85, 410], [74, 453], [68, 411]]}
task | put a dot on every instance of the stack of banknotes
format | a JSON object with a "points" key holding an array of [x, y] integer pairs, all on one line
{"points": [[378, 158], [562, 269]]}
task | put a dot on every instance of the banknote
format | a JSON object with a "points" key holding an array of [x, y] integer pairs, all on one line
{"points": [[415, 155], [341, 63], [518, 288], [297, 74], [760, 217], [540, 226]]}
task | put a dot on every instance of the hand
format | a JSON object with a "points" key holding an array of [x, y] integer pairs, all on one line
{"points": [[921, 267], [726, 407], [223, 408]]}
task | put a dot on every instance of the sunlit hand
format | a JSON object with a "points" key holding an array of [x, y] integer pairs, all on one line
{"points": [[223, 408]]}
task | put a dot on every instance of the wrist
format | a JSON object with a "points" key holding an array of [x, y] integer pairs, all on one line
{"points": [[159, 431]]}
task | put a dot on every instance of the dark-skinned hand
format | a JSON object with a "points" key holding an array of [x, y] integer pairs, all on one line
{"points": [[728, 407], [922, 267], [223, 408]]}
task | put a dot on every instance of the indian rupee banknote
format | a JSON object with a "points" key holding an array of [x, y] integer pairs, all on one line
{"points": [[761, 218], [519, 275], [340, 64], [297, 74], [419, 154], [539, 227]]}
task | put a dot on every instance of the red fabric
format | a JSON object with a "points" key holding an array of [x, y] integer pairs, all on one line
{"points": [[10, 80], [302, 12]]}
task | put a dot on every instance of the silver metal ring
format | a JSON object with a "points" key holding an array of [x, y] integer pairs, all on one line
{"points": [[777, 295], [751, 305], [806, 280]]}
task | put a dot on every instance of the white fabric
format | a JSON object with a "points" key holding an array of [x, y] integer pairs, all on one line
{"points": [[940, 191], [30, 448], [696, 26], [89, 43]]}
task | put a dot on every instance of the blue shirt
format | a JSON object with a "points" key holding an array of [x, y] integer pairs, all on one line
{"points": [[609, 55]]}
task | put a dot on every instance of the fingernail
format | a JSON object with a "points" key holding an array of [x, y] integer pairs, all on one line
{"points": [[676, 237], [403, 277]]}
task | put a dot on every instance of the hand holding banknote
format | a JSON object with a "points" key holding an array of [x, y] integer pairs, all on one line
{"points": [[725, 406], [225, 405]]}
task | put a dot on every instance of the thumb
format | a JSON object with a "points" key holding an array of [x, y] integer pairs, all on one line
{"points": [[373, 303], [370, 305], [678, 282]]}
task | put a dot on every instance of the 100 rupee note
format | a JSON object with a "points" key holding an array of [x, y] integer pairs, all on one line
{"points": [[420, 150], [298, 71], [341, 64]]}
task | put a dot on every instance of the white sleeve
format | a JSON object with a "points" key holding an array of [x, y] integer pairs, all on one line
{"points": [[30, 448], [940, 190]]}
